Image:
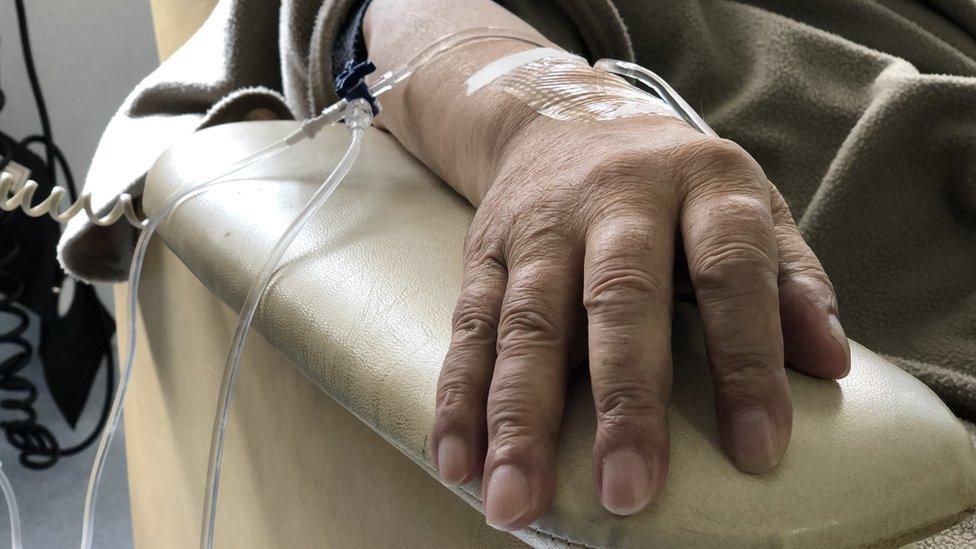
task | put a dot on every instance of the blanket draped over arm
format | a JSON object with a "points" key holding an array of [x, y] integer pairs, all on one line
{"points": [[862, 113]]}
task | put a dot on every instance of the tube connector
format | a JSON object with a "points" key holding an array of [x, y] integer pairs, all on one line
{"points": [[359, 114], [351, 83], [312, 126]]}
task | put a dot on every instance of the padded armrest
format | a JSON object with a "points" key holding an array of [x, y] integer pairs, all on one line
{"points": [[362, 306]]}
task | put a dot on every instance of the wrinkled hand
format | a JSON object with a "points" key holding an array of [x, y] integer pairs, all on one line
{"points": [[576, 237]]}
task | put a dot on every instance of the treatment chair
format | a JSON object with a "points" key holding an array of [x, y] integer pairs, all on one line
{"points": [[327, 440]]}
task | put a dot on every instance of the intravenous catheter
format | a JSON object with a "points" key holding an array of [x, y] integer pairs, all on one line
{"points": [[356, 109]]}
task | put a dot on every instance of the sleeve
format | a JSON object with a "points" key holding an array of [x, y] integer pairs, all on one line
{"points": [[218, 76], [349, 44], [591, 28]]}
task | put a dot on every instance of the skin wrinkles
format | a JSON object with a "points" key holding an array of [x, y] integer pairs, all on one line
{"points": [[513, 410], [615, 275], [572, 253], [474, 321], [525, 326], [729, 259]]}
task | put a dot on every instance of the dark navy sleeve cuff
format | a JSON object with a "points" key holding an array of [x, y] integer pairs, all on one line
{"points": [[349, 43]]}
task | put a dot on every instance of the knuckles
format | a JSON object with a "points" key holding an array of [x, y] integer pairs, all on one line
{"points": [[744, 368], [514, 417], [807, 272], [525, 326], [614, 170], [473, 320], [625, 404], [484, 239], [455, 393], [709, 157], [722, 265], [618, 286]]}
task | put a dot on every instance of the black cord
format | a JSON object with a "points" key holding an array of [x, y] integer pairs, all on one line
{"points": [[3, 101], [35, 85], [69, 177], [24, 433], [39, 448]]}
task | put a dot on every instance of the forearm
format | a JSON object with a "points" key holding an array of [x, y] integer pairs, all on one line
{"points": [[461, 137]]}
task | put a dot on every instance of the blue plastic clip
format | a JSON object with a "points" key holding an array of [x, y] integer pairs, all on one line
{"points": [[351, 83]]}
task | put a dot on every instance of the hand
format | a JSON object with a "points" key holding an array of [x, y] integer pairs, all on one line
{"points": [[579, 224]]}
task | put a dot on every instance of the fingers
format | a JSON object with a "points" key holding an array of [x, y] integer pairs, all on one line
{"points": [[627, 295], [458, 438], [730, 246], [525, 402], [815, 342]]}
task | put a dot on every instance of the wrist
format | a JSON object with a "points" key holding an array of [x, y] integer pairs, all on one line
{"points": [[459, 136], [546, 101], [576, 151]]}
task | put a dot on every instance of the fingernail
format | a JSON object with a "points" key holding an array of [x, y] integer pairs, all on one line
{"points": [[626, 486], [753, 441], [507, 498], [837, 332], [452, 459]]}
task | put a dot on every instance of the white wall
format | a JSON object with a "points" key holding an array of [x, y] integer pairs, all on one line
{"points": [[89, 55]]}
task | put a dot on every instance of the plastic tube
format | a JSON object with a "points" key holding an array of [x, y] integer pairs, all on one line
{"points": [[387, 80], [259, 287], [12, 510], [329, 116], [357, 122], [358, 119], [332, 114], [660, 87], [135, 274], [21, 196]]}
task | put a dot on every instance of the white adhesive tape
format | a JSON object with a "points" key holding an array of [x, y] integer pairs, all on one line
{"points": [[563, 86], [564, 89], [498, 68]]}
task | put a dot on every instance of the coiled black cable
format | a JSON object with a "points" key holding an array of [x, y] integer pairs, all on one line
{"points": [[23, 430], [38, 447]]}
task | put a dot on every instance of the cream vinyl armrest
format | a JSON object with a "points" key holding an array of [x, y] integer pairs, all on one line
{"points": [[362, 306]]}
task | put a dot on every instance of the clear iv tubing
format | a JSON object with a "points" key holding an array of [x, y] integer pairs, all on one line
{"points": [[660, 87], [135, 274], [329, 116], [23, 196], [358, 122], [258, 288], [12, 510], [381, 85]]}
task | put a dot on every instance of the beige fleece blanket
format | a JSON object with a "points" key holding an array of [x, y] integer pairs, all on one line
{"points": [[862, 112]]}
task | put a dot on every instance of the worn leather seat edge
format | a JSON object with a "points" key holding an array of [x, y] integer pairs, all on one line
{"points": [[362, 304]]}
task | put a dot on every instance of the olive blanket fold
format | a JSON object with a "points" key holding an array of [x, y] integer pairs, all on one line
{"points": [[862, 112]]}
